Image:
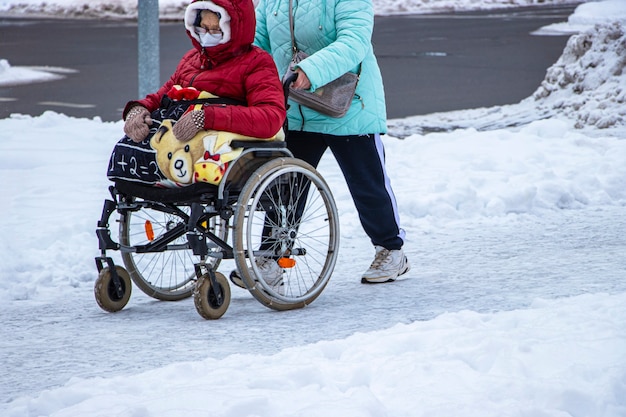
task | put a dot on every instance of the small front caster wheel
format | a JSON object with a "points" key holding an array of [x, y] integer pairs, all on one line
{"points": [[212, 304], [110, 297]]}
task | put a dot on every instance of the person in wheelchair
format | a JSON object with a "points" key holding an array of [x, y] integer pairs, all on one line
{"points": [[242, 79], [223, 84]]}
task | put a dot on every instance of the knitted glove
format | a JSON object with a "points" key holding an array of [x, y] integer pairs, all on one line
{"points": [[187, 126], [137, 123]]}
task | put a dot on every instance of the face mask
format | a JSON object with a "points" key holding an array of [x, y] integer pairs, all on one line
{"points": [[208, 40]]}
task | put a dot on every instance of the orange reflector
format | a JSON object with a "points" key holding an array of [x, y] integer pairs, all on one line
{"points": [[149, 230], [286, 262], [204, 224]]}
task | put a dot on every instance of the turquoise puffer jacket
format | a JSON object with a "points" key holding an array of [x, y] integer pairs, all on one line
{"points": [[337, 35]]}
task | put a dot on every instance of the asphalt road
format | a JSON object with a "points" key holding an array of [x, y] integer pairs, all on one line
{"points": [[429, 63]]}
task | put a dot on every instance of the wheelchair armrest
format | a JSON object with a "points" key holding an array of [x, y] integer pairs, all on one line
{"points": [[265, 144]]}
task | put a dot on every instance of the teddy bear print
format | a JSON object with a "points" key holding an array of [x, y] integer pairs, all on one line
{"points": [[204, 158]]}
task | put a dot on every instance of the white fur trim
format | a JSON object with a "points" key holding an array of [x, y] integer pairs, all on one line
{"points": [[192, 11]]}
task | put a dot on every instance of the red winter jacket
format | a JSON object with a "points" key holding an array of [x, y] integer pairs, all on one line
{"points": [[236, 70]]}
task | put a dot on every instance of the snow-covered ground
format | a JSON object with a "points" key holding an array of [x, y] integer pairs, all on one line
{"points": [[515, 305]]}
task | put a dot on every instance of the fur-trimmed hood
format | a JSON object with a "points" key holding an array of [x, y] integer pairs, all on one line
{"points": [[238, 24]]}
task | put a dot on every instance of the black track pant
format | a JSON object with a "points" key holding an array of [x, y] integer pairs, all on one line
{"points": [[362, 162]]}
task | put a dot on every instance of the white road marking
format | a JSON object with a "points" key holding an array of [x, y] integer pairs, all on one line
{"points": [[61, 104]]}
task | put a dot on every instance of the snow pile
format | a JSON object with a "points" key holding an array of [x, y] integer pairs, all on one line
{"points": [[542, 166], [173, 9], [588, 82], [586, 16], [23, 75], [587, 85], [557, 358], [592, 13], [71, 9], [434, 6]]}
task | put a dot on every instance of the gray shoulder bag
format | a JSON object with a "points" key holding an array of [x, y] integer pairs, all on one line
{"points": [[332, 99]]}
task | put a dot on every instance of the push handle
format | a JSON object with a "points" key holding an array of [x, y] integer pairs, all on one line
{"points": [[287, 81]]}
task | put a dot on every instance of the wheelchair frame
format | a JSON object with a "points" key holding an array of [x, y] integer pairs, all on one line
{"points": [[276, 206]]}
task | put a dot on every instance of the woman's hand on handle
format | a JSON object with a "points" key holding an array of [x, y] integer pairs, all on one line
{"points": [[302, 82]]}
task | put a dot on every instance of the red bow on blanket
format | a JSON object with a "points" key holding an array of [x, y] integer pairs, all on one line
{"points": [[208, 155], [183, 93]]}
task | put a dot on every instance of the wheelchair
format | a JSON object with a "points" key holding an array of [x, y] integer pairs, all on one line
{"points": [[172, 240]]}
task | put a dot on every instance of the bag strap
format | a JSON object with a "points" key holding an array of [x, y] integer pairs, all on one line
{"points": [[294, 47]]}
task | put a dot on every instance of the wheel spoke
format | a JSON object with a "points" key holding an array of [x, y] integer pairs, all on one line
{"points": [[170, 274]]}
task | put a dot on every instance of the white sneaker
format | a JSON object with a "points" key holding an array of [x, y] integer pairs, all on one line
{"points": [[271, 273], [387, 266]]}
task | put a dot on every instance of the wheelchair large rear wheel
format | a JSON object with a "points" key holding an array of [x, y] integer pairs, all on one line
{"points": [[168, 275], [286, 215]]}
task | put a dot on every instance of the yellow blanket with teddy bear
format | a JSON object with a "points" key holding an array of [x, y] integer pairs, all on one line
{"points": [[204, 158]]}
